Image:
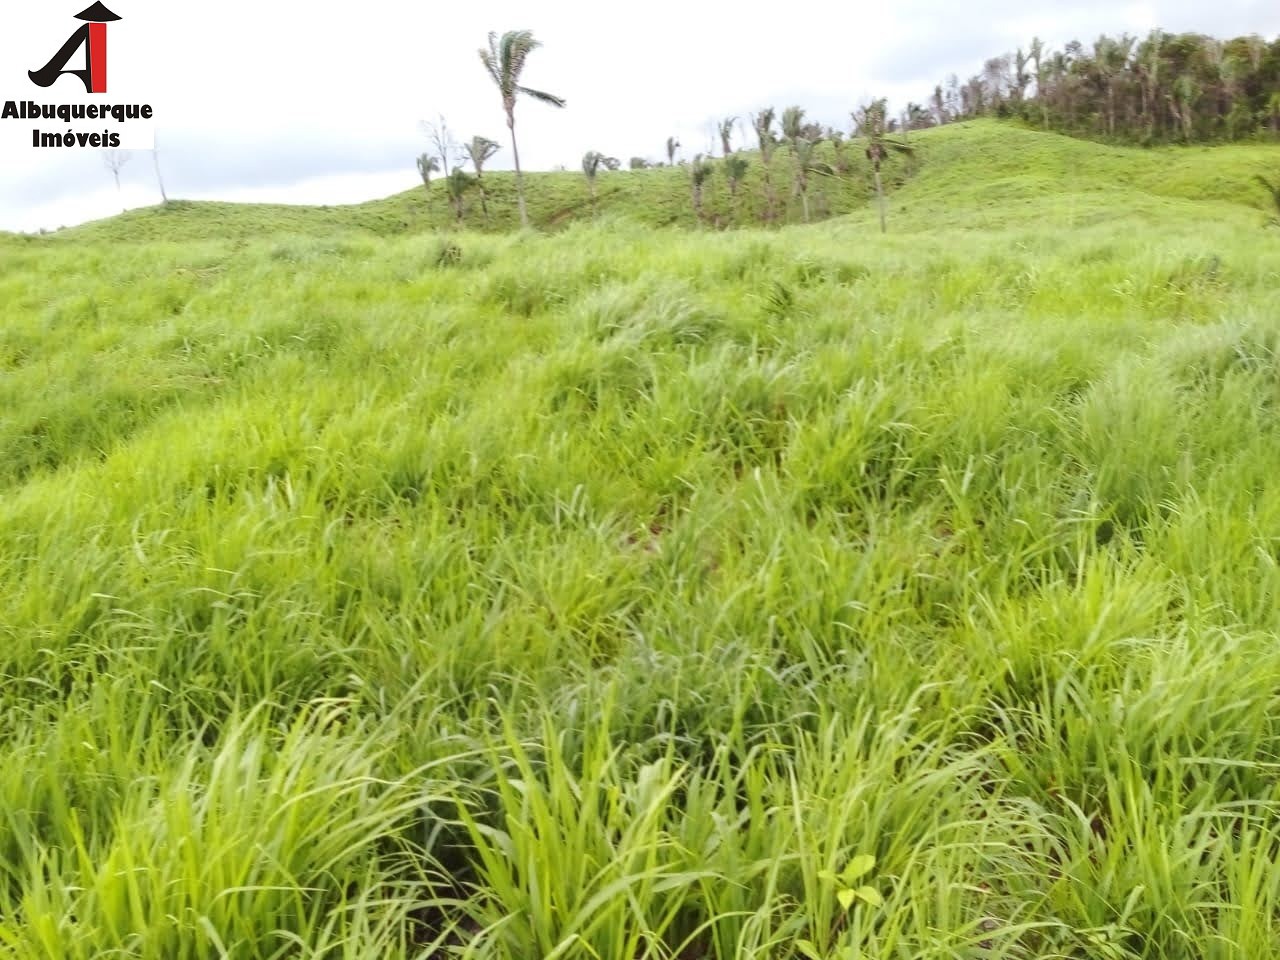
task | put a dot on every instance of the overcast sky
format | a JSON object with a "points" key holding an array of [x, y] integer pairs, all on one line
{"points": [[321, 102]]}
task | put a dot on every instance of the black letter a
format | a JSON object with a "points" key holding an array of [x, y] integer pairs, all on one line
{"points": [[51, 71]]}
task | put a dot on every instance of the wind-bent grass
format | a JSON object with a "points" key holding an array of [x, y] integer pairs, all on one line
{"points": [[602, 595]]}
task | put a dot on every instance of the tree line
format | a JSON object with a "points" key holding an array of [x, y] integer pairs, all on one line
{"points": [[504, 60], [1164, 88]]}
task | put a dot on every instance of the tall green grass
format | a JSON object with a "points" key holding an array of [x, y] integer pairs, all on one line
{"points": [[608, 594]]}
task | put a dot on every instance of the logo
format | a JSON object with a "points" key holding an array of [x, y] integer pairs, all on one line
{"points": [[92, 35], [64, 116]]}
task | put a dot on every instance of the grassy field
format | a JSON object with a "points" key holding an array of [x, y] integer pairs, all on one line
{"points": [[629, 593]]}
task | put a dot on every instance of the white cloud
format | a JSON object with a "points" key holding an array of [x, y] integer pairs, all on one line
{"points": [[322, 101]]}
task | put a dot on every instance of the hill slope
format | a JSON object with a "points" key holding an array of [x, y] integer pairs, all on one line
{"points": [[961, 170], [612, 592]]}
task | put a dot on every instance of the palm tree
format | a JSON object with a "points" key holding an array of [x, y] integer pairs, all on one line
{"points": [[458, 183], [807, 164], [871, 124], [698, 174], [427, 165], [672, 146], [725, 129], [504, 61], [804, 138], [762, 123], [480, 149], [1273, 107], [792, 123], [592, 160]]}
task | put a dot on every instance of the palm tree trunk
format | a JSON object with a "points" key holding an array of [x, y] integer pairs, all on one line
{"points": [[594, 211], [884, 228], [155, 156], [515, 153], [804, 202]]}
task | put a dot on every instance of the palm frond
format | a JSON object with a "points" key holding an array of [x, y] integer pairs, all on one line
{"points": [[542, 96], [492, 60], [516, 47]]}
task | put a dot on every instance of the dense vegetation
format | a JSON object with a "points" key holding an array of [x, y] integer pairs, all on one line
{"points": [[1165, 88], [628, 593]]}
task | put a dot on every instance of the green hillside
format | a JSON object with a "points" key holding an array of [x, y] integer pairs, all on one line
{"points": [[977, 168], [622, 593]]}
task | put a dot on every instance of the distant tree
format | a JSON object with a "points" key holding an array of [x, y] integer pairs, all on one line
{"points": [[807, 164], [458, 183], [592, 161], [672, 146], [803, 138], [792, 121], [699, 172], [725, 129], [114, 160], [155, 159], [1186, 93], [1273, 110], [427, 165], [480, 150], [504, 61], [917, 117], [735, 168], [938, 104], [1021, 78], [762, 123], [871, 123], [839, 146], [448, 150], [638, 163]]}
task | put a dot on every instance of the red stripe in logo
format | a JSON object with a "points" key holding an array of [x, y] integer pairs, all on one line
{"points": [[98, 56]]}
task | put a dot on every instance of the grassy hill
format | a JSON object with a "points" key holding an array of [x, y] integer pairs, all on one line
{"points": [[624, 592], [968, 172]]}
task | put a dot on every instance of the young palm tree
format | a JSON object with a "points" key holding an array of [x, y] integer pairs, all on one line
{"points": [[762, 123], [672, 146], [592, 161], [698, 174], [792, 123], [808, 164], [735, 168], [427, 165], [504, 61], [458, 183], [871, 122], [804, 138], [725, 129], [480, 149]]}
